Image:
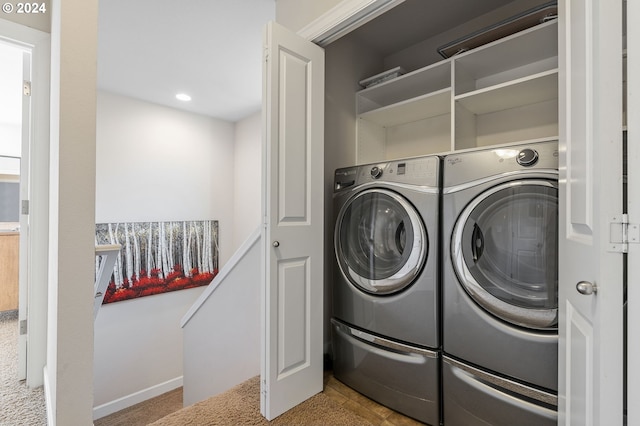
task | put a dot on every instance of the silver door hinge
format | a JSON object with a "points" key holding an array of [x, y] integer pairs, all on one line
{"points": [[622, 233], [26, 88], [25, 207], [23, 327], [266, 54], [263, 388]]}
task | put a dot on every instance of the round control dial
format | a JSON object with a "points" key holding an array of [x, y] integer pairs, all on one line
{"points": [[376, 172], [527, 157]]}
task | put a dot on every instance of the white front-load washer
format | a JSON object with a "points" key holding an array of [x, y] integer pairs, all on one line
{"points": [[385, 325], [500, 285]]}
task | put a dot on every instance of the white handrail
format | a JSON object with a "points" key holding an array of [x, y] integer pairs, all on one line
{"points": [[109, 255], [226, 269]]}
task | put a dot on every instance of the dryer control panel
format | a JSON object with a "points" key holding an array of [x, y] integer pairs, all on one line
{"points": [[481, 164]]}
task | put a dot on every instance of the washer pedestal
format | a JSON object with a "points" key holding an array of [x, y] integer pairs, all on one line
{"points": [[401, 377]]}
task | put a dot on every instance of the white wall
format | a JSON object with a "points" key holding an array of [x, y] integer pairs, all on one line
{"points": [[296, 14], [154, 163], [218, 356], [158, 163], [138, 349], [247, 177], [68, 374]]}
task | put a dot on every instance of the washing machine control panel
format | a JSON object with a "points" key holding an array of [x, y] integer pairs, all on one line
{"points": [[418, 171], [527, 157]]}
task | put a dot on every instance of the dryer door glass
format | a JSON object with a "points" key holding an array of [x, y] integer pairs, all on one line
{"points": [[381, 243], [507, 246]]}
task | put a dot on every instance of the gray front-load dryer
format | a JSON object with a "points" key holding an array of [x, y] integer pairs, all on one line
{"points": [[500, 284], [385, 326]]}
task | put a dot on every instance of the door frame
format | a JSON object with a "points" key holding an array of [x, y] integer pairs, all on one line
{"points": [[345, 17], [34, 266], [633, 210], [348, 15]]}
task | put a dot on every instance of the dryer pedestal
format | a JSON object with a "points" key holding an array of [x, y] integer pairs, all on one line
{"points": [[401, 377], [474, 397]]}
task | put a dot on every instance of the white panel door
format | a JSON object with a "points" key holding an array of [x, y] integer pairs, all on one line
{"points": [[293, 235], [633, 208], [590, 324], [23, 291]]}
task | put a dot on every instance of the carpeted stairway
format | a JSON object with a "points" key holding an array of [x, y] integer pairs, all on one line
{"points": [[241, 406]]}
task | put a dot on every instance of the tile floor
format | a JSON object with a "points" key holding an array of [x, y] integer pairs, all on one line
{"points": [[363, 406]]}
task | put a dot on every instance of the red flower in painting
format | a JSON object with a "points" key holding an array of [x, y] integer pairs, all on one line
{"points": [[121, 294], [172, 276], [178, 284], [145, 282], [204, 279]]}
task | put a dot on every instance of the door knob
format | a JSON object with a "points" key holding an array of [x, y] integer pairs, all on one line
{"points": [[276, 243], [586, 288]]}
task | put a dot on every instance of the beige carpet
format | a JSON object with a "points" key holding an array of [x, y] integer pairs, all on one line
{"points": [[19, 405], [241, 406]]}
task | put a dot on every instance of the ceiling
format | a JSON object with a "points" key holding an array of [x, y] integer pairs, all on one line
{"points": [[212, 49], [209, 49], [417, 20]]}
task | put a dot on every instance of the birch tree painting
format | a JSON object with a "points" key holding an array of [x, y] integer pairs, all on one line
{"points": [[158, 257]]}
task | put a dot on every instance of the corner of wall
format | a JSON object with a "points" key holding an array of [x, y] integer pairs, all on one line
{"points": [[49, 398]]}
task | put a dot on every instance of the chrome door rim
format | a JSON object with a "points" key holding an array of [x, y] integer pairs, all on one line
{"points": [[540, 319], [411, 268]]}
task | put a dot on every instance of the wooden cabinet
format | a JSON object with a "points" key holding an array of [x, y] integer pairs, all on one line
{"points": [[9, 265], [502, 93]]}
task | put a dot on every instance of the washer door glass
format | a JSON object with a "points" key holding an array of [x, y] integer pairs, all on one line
{"points": [[505, 250], [381, 243]]}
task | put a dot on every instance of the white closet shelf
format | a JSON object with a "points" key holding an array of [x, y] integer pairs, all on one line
{"points": [[427, 80], [532, 45], [525, 91], [501, 93], [431, 105]]}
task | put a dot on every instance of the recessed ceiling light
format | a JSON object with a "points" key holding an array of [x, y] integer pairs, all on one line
{"points": [[183, 97]]}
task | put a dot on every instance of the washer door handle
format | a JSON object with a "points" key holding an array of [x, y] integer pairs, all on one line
{"points": [[477, 243], [586, 288]]}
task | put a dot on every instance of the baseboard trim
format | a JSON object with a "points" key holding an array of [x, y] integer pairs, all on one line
{"points": [[51, 420], [135, 398]]}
